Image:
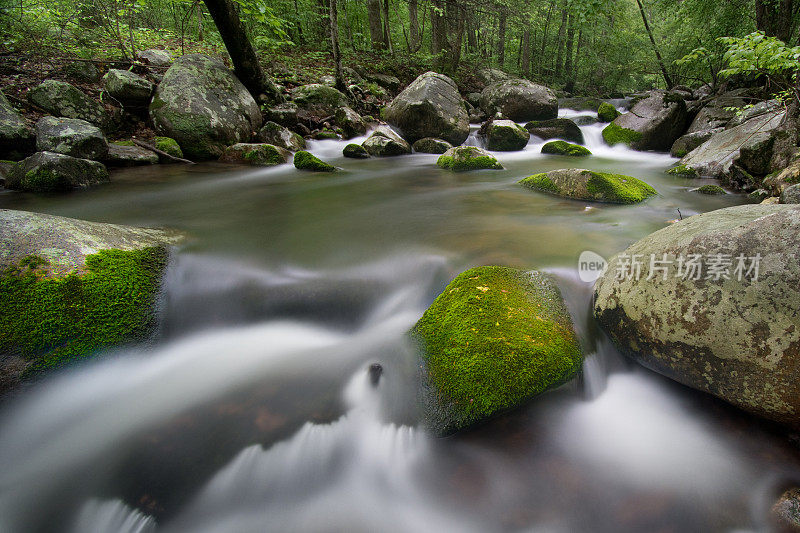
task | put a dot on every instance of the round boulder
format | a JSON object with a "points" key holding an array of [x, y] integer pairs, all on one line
{"points": [[429, 145], [52, 172], [129, 89], [506, 136], [464, 158], [519, 100], [557, 128], [586, 185], [70, 136]]}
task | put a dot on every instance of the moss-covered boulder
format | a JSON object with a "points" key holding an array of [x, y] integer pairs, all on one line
{"points": [[464, 158], [127, 88], [350, 123], [565, 148], [169, 146], [71, 136], [429, 145], [506, 136], [307, 161], [202, 105], [590, 186], [124, 155], [69, 288], [607, 112], [61, 99], [51, 172], [686, 143], [727, 325], [683, 171], [652, 124], [274, 133], [519, 100], [355, 151], [709, 189], [557, 128], [318, 99], [384, 142], [580, 103], [495, 338], [430, 106], [17, 138], [255, 154]]}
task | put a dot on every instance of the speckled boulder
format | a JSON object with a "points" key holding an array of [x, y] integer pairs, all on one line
{"points": [[202, 105], [465, 158], [734, 335], [791, 194], [506, 136], [129, 89], [64, 100], [51, 172], [350, 122], [429, 145], [581, 184], [155, 57], [652, 124], [17, 138], [318, 99], [274, 133], [123, 155], [519, 100], [384, 142], [70, 136]]}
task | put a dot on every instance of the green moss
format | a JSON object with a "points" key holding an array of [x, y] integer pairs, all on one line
{"points": [[53, 320], [607, 112], [307, 161], [618, 188], [680, 153], [466, 158], [710, 189], [124, 143], [355, 151], [540, 182], [169, 145], [682, 170], [326, 134], [614, 134], [565, 148], [495, 337], [44, 180]]}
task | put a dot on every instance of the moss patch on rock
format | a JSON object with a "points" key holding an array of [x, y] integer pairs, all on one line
{"points": [[307, 161], [565, 148], [51, 320], [710, 189], [170, 146], [614, 134], [464, 158], [494, 338], [581, 184], [607, 112], [683, 170]]}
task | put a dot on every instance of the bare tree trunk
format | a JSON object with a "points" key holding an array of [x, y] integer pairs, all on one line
{"points": [[560, 45], [460, 25], [544, 36], [387, 33], [375, 24], [438, 28], [245, 61], [200, 22], [660, 60], [774, 18], [573, 74], [337, 57], [413, 23], [501, 37], [569, 47], [526, 53]]}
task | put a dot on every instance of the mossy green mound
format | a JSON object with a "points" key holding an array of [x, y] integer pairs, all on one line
{"points": [[614, 134], [710, 189], [493, 339], [464, 158], [170, 146], [355, 151], [682, 170], [565, 148], [581, 184], [607, 112], [307, 161], [256, 154]]}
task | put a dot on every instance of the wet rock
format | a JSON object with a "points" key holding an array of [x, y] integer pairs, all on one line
{"points": [[519, 100], [260, 155], [384, 142], [64, 100], [17, 138], [690, 141], [350, 122], [51, 172], [202, 105], [565, 148], [730, 328], [580, 103], [506, 136], [307, 161], [169, 146], [710, 190], [791, 194], [495, 338], [129, 89], [557, 128], [429, 145], [430, 107], [274, 133], [355, 151], [71, 136], [465, 158], [123, 155], [607, 112], [580, 184], [652, 124]]}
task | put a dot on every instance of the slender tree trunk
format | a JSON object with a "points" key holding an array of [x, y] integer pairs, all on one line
{"points": [[200, 22], [501, 37], [569, 47], [375, 24], [573, 75], [560, 44], [526, 53], [660, 60], [544, 36], [299, 25], [438, 28], [337, 57], [387, 33], [413, 24], [460, 26], [245, 61]]}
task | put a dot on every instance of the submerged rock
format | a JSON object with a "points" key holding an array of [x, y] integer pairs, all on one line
{"points": [[202, 105], [652, 124], [384, 142], [129, 89], [260, 155], [429, 145], [274, 133], [17, 139], [69, 288], [727, 325], [557, 128], [464, 158], [495, 338], [308, 161], [430, 106], [580, 184], [70, 136], [520, 100], [565, 148], [64, 100], [710, 190], [51, 172], [123, 155]]}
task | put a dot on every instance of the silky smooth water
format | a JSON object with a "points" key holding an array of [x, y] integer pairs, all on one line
{"points": [[251, 409]]}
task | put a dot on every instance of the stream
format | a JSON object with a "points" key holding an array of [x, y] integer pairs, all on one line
{"points": [[252, 410]]}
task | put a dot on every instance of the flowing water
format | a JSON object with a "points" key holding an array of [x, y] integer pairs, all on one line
{"points": [[252, 409]]}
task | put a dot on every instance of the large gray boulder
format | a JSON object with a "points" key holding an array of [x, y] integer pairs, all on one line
{"points": [[202, 105], [729, 328], [129, 89], [791, 194], [64, 100], [52, 172], [488, 76], [155, 57], [430, 107], [70, 136], [384, 142], [735, 153], [506, 136], [519, 100], [72, 288], [17, 139], [686, 143], [318, 99], [654, 123], [556, 128], [123, 155], [719, 111]]}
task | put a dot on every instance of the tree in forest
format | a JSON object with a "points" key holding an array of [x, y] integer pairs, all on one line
{"points": [[660, 60], [337, 55]]}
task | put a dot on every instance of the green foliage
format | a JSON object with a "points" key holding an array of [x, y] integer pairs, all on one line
{"points": [[52, 320]]}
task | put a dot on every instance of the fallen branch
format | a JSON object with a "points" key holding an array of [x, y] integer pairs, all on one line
{"points": [[161, 152]]}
